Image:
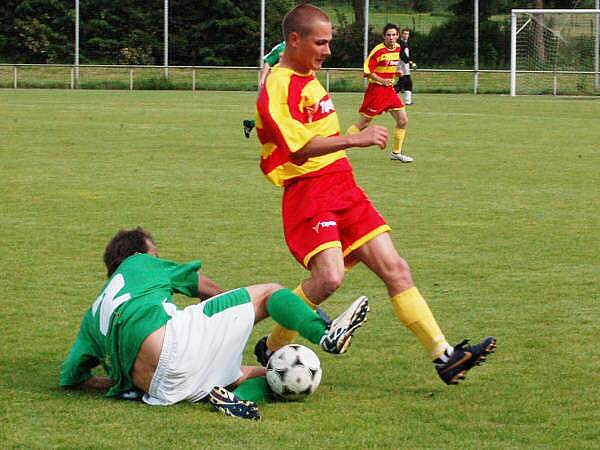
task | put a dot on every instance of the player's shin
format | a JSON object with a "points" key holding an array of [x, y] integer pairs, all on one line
{"points": [[281, 336], [413, 311], [255, 390], [293, 316], [399, 134]]}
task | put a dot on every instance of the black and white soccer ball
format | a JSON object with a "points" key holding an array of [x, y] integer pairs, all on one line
{"points": [[294, 372]]}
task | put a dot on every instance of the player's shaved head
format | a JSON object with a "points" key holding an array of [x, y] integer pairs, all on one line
{"points": [[301, 19]]}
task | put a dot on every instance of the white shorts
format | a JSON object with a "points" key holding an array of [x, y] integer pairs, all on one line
{"points": [[202, 348]]}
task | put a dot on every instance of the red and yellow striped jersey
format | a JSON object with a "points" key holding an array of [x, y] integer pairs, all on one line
{"points": [[291, 109], [382, 61]]}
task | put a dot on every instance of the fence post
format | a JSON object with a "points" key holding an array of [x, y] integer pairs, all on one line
{"points": [[131, 78], [15, 77], [193, 79], [72, 85], [327, 80]]}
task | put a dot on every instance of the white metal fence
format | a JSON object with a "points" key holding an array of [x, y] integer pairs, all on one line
{"points": [[194, 78]]}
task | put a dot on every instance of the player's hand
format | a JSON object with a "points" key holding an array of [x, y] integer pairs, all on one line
{"points": [[413, 65], [388, 82], [373, 135]]}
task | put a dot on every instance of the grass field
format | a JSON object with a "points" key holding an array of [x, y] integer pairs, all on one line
{"points": [[498, 217]]}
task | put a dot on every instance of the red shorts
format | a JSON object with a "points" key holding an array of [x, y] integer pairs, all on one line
{"points": [[328, 211], [379, 99]]}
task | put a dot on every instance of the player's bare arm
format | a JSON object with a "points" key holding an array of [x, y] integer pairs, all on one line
{"points": [[319, 145], [263, 74], [94, 383], [378, 79], [247, 373], [207, 288]]}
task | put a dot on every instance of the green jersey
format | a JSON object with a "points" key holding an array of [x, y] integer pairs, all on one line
{"points": [[273, 56], [134, 302]]}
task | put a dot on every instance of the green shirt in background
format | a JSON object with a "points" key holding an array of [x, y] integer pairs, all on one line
{"points": [[273, 56], [134, 302]]}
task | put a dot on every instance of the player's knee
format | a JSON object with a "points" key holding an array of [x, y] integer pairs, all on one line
{"points": [[260, 294], [331, 282], [398, 274]]}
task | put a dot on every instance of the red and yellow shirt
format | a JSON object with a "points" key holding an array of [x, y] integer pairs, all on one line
{"points": [[293, 108], [382, 61]]}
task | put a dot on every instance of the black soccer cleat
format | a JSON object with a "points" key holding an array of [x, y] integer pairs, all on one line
{"points": [[464, 358], [262, 352], [227, 403], [248, 126]]}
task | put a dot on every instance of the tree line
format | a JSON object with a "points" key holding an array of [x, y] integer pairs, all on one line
{"points": [[227, 33]]}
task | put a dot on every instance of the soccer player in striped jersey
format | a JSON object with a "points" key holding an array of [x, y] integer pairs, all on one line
{"points": [[328, 221], [380, 69]]}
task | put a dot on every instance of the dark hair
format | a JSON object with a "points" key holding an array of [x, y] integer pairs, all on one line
{"points": [[405, 29], [300, 19], [124, 244], [389, 26]]}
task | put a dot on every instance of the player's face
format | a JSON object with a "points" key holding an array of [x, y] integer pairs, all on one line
{"points": [[390, 38], [152, 250], [314, 48], [405, 35]]}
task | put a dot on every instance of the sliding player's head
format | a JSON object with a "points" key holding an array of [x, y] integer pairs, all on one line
{"points": [[126, 243]]}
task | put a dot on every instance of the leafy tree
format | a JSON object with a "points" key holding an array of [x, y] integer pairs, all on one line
{"points": [[36, 31], [223, 32], [126, 31]]}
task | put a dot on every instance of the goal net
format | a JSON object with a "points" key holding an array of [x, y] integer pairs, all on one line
{"points": [[555, 51]]}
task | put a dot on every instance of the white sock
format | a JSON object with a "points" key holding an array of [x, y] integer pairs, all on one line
{"points": [[445, 357], [408, 97]]}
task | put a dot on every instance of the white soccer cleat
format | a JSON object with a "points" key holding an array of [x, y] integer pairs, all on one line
{"points": [[341, 329], [400, 157]]}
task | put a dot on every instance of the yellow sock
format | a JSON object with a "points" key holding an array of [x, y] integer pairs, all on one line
{"points": [[399, 134], [413, 311], [282, 336], [353, 129]]}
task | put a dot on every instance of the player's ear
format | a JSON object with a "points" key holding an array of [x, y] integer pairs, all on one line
{"points": [[292, 39]]}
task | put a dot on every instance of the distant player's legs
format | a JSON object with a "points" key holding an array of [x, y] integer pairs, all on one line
{"points": [[401, 119], [361, 124], [408, 87], [248, 125]]}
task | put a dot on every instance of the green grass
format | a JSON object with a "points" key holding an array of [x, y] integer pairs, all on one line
{"points": [[498, 217], [378, 18]]}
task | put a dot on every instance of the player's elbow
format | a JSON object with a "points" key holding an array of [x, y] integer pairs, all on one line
{"points": [[298, 158]]}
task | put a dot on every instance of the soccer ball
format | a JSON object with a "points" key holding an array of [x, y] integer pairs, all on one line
{"points": [[294, 372]]}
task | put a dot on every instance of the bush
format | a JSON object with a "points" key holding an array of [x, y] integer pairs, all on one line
{"points": [[451, 45]]}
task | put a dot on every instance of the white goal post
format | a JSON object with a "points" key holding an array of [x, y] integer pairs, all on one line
{"points": [[555, 51]]}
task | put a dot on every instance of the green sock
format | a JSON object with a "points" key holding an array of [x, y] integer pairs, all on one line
{"points": [[290, 311], [255, 390]]}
